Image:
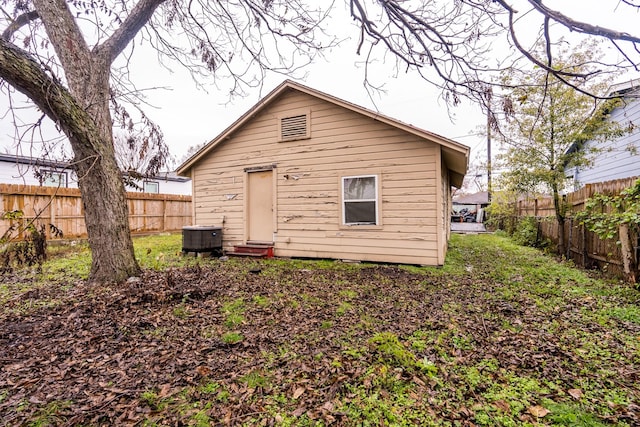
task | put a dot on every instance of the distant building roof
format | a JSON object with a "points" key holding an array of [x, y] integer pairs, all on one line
{"points": [[624, 87], [33, 161], [481, 198]]}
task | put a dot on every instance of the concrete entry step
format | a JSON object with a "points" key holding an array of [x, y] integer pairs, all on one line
{"points": [[252, 250]]}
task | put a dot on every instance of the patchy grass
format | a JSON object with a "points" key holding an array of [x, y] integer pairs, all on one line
{"points": [[500, 336]]}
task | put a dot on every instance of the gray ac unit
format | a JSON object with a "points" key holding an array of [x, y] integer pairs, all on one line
{"points": [[200, 238]]}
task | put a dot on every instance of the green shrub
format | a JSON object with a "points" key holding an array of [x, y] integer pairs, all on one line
{"points": [[526, 232], [502, 213]]}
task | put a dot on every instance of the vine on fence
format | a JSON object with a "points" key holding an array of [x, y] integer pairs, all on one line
{"points": [[618, 215], [604, 213]]}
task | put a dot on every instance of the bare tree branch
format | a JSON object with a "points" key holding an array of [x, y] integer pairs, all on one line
{"points": [[64, 33], [25, 74], [18, 23], [130, 27], [582, 27]]}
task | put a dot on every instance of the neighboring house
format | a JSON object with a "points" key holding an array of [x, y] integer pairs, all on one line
{"points": [[620, 157], [312, 175], [164, 183], [31, 171]]}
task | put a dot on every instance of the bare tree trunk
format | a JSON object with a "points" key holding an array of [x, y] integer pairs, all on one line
{"points": [[100, 180], [626, 247], [561, 242], [106, 215], [87, 73], [557, 205], [105, 205]]}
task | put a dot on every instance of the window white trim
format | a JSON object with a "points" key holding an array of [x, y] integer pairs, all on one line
{"points": [[346, 201], [146, 185], [53, 178]]}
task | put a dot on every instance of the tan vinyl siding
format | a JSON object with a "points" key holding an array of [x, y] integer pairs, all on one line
{"points": [[308, 173]]}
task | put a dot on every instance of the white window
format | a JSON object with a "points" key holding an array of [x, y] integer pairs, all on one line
{"points": [[294, 127], [151, 187], [53, 179], [360, 200]]}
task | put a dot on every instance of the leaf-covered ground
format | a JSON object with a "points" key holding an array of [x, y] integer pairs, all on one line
{"points": [[501, 336]]}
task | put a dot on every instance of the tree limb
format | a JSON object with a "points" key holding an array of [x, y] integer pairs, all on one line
{"points": [[19, 69], [18, 23], [138, 18], [582, 27], [561, 75], [63, 32]]}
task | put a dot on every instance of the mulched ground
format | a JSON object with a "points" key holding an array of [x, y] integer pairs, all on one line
{"points": [[90, 357]]}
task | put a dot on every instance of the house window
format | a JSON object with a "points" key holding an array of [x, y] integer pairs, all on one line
{"points": [[294, 127], [151, 187], [360, 200], [51, 178]]}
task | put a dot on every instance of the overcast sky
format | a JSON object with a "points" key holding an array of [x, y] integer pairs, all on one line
{"points": [[189, 115]]}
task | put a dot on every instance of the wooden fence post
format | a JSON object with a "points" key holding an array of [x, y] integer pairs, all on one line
{"points": [[585, 252], [164, 214]]}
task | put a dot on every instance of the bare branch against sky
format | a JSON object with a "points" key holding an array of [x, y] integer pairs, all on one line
{"points": [[447, 49]]}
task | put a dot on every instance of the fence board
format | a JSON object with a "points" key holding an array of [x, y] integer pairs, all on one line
{"points": [[63, 208], [583, 247]]}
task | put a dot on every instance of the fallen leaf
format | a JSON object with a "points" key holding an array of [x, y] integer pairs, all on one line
{"points": [[203, 371], [418, 381], [164, 390], [298, 392], [538, 411], [328, 406], [502, 405], [576, 393]]}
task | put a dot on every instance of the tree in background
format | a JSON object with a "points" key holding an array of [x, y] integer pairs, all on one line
{"points": [[548, 121], [191, 151], [71, 59]]}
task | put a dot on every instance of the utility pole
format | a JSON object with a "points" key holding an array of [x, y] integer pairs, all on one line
{"points": [[489, 156]]}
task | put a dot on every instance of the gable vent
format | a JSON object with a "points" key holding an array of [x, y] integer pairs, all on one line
{"points": [[294, 127]]}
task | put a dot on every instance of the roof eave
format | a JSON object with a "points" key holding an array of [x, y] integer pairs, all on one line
{"points": [[184, 169], [458, 150]]}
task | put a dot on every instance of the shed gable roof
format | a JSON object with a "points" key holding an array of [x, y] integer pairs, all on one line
{"points": [[455, 155]]}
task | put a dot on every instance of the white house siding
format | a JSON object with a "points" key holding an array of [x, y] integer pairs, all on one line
{"points": [[619, 158], [168, 186], [307, 205], [165, 186], [14, 172]]}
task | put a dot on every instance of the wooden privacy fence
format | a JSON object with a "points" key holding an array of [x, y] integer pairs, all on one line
{"points": [[63, 208], [583, 247]]}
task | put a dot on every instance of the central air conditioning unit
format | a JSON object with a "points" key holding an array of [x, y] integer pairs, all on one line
{"points": [[200, 238]]}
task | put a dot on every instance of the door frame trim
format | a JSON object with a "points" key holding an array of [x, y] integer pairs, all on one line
{"points": [[261, 168], [274, 204]]}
